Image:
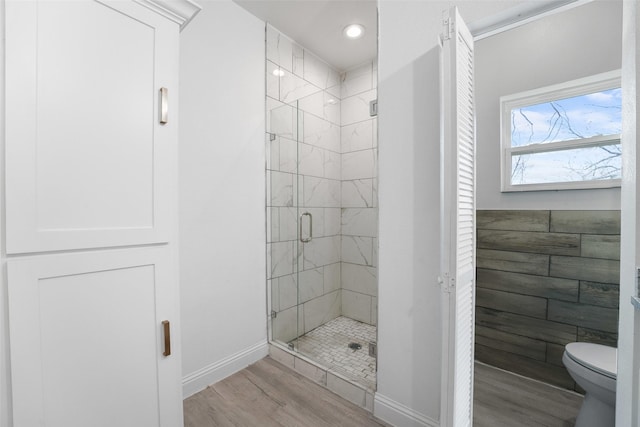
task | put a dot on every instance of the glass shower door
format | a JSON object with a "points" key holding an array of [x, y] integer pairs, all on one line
{"points": [[282, 222]]}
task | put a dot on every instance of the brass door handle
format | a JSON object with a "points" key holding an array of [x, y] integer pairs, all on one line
{"points": [[167, 338]]}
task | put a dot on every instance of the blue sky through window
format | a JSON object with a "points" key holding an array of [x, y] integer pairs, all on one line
{"points": [[579, 117]]}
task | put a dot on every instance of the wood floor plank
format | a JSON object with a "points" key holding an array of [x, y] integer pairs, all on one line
{"points": [[268, 394], [504, 399]]}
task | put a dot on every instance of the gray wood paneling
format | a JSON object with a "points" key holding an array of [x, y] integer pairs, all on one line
{"points": [[598, 337], [526, 241], [512, 343], [513, 261], [554, 354], [589, 222], [590, 269], [502, 399], [546, 372], [513, 220], [601, 294], [601, 246], [588, 316], [539, 329], [514, 303], [548, 287]]}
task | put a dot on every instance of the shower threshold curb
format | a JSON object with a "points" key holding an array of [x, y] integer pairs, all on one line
{"points": [[333, 381]]}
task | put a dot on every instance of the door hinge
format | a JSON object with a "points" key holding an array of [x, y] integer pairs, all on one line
{"points": [[373, 108], [447, 282], [448, 28], [274, 314]]}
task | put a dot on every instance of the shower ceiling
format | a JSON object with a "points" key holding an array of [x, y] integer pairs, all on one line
{"points": [[317, 25]]}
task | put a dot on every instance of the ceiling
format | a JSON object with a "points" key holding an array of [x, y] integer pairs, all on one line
{"points": [[317, 25]]}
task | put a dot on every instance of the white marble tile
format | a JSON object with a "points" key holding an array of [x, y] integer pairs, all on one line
{"points": [[272, 152], [346, 390], [356, 306], [311, 284], [375, 132], [298, 60], [285, 325], [360, 222], [319, 72], [321, 192], [287, 291], [321, 251], [269, 275], [357, 250], [375, 192], [321, 133], [323, 105], [281, 189], [359, 278], [310, 371], [287, 223], [356, 84], [375, 252], [335, 90], [273, 221], [320, 310], [281, 259], [273, 80], [332, 221], [284, 357], [355, 108], [357, 136], [279, 48], [310, 160], [293, 87], [271, 104], [359, 165], [332, 277], [357, 193], [283, 121], [288, 155], [374, 310], [273, 303], [332, 165], [365, 69]]}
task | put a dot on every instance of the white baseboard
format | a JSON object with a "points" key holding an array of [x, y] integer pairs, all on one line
{"points": [[399, 415], [200, 379]]}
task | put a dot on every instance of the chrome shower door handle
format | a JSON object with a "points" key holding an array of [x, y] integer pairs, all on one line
{"points": [[308, 239]]}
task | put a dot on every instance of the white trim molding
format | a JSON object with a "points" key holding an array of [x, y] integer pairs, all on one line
{"points": [[399, 415], [210, 374], [179, 11]]}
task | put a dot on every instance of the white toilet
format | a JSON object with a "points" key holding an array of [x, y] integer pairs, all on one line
{"points": [[594, 368]]}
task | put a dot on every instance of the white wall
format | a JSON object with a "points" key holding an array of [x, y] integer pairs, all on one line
{"points": [[576, 43], [222, 193], [409, 328]]}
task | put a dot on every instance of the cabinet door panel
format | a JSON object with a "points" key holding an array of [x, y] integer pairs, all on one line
{"points": [[87, 160], [87, 340]]}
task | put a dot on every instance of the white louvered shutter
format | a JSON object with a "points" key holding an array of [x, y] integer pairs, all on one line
{"points": [[458, 237]]}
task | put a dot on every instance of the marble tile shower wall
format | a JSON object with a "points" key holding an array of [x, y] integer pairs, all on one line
{"points": [[304, 175], [358, 136], [322, 161]]}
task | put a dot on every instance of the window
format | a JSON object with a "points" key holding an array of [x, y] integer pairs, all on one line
{"points": [[564, 136]]}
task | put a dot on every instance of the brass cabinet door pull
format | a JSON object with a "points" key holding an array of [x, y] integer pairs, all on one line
{"points": [[167, 338]]}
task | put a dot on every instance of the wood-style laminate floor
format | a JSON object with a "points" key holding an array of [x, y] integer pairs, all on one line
{"points": [[504, 399], [268, 394]]}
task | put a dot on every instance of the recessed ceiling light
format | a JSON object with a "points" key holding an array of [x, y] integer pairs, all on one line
{"points": [[278, 72], [353, 31]]}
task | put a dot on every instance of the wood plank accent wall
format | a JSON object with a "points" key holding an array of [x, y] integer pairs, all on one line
{"points": [[544, 279]]}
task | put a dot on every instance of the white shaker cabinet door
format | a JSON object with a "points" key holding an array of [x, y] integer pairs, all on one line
{"points": [[88, 163], [87, 340]]}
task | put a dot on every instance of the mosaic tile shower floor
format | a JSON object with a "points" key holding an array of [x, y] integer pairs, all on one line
{"points": [[329, 345]]}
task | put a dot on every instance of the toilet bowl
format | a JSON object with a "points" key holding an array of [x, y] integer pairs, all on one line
{"points": [[594, 368]]}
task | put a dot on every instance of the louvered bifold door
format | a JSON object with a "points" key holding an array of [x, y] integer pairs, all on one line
{"points": [[458, 174]]}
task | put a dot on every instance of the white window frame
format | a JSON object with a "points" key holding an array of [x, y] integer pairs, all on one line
{"points": [[591, 84]]}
